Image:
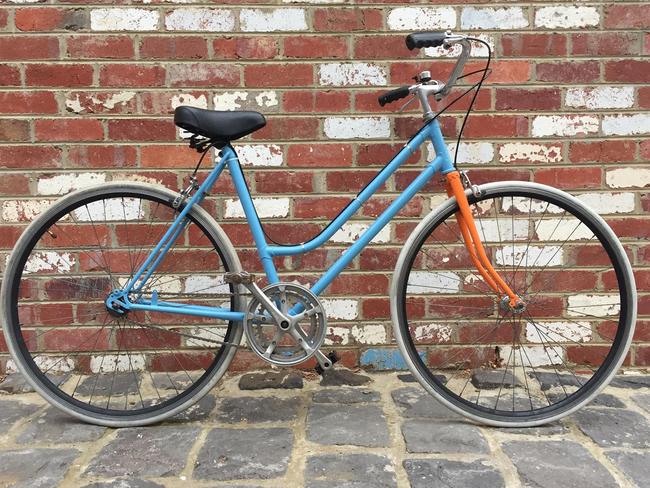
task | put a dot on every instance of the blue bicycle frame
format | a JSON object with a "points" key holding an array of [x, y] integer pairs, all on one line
{"points": [[441, 164]]}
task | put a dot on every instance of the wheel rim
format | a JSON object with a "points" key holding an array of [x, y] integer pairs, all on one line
{"points": [[477, 381], [110, 366]]}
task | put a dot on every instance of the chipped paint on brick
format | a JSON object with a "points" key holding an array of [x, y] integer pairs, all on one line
{"points": [[600, 97], [564, 125], [200, 19], [266, 208], [260, 155], [421, 18], [351, 231], [123, 19], [65, 183], [565, 17], [535, 153], [347, 74], [272, 20]]}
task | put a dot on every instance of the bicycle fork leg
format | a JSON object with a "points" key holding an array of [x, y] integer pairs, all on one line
{"points": [[473, 242]]}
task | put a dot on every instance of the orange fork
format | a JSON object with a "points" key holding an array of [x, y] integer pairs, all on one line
{"points": [[473, 242]]}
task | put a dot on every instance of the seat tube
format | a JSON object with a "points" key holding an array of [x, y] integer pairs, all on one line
{"points": [[251, 215]]}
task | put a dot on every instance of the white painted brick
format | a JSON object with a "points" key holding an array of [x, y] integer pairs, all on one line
{"points": [[266, 99], [200, 19], [585, 304], [628, 178], [600, 97], [113, 209], [564, 125], [471, 152], [23, 210], [109, 102], [266, 208], [558, 332], [107, 363], [357, 127], [281, 19], [626, 125], [53, 364], [418, 18], [188, 99], [503, 230], [235, 100], [205, 284], [562, 229], [49, 261], [609, 203], [260, 155], [530, 255], [315, 2], [425, 282], [229, 100], [123, 19], [65, 183], [525, 206], [437, 200], [351, 231], [346, 74], [561, 17], [536, 355], [433, 333], [369, 334], [493, 18], [535, 153], [479, 50], [341, 308]]}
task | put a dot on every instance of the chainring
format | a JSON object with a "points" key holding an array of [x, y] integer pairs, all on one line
{"points": [[300, 340]]}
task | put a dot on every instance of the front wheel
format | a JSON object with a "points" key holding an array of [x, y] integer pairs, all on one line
{"points": [[488, 362], [115, 367]]}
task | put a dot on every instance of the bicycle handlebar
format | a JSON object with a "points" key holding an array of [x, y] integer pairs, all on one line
{"points": [[419, 40], [392, 95]]}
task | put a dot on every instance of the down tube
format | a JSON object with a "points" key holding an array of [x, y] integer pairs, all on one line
{"points": [[431, 169]]}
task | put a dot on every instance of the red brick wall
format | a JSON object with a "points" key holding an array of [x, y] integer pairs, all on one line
{"points": [[88, 88]]}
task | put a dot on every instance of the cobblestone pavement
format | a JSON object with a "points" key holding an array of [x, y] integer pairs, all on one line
{"points": [[384, 433]]}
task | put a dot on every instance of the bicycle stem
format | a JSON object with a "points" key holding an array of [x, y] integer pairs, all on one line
{"points": [[473, 243]]}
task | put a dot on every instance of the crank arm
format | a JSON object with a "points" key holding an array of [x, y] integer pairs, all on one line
{"points": [[322, 359], [248, 280]]}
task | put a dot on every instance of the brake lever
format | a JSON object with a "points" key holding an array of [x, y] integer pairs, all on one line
{"points": [[403, 107]]}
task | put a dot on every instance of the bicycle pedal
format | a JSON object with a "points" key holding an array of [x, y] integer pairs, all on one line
{"points": [[332, 356], [239, 278]]}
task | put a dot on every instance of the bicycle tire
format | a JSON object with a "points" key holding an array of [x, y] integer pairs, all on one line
{"points": [[15, 295], [427, 365]]}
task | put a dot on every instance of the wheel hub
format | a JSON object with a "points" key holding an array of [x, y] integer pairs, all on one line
{"points": [[292, 341], [114, 305], [518, 308]]}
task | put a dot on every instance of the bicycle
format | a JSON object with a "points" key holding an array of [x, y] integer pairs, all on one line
{"points": [[124, 304]]}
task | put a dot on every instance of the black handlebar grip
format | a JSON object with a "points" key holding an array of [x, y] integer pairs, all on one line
{"points": [[391, 96], [425, 39]]}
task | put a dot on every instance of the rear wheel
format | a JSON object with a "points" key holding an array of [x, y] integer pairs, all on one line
{"points": [[488, 362], [106, 367]]}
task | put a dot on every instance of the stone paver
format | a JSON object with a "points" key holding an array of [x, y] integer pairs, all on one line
{"points": [[615, 427], [345, 395], [258, 409], [442, 437], [56, 427], [549, 464], [350, 470], [635, 465], [643, 401], [12, 411], [117, 384], [386, 433], [30, 468], [493, 379], [125, 483], [161, 451], [428, 473], [357, 425], [341, 377], [415, 402], [15, 383], [631, 381], [271, 379], [236, 454]]}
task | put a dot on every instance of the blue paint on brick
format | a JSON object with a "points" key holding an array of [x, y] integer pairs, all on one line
{"points": [[384, 359]]}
